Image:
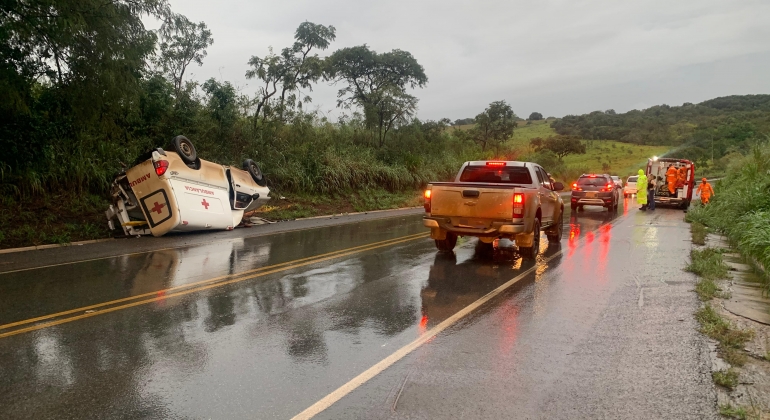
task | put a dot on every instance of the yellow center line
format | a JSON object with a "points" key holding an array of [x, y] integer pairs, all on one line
{"points": [[257, 272], [375, 370]]}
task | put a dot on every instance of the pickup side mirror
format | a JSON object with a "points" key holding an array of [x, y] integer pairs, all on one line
{"points": [[558, 186]]}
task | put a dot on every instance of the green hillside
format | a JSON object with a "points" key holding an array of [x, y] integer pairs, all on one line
{"points": [[601, 156]]}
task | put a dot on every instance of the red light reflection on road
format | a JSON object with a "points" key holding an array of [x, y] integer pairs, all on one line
{"points": [[423, 325], [574, 234], [605, 234], [508, 320]]}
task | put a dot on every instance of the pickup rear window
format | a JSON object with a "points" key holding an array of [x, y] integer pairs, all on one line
{"points": [[507, 175]]}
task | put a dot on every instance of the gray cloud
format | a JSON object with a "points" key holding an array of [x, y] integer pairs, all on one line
{"points": [[557, 57]]}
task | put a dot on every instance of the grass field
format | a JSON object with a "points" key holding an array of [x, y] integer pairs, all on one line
{"points": [[622, 159]]}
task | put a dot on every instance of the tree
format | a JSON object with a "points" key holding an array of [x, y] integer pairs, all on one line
{"points": [[394, 107], [535, 116], [67, 69], [561, 145], [293, 69], [377, 83], [495, 125], [182, 43], [222, 103]]}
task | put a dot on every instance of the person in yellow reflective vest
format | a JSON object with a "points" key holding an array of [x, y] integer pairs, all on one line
{"points": [[705, 191], [641, 188]]}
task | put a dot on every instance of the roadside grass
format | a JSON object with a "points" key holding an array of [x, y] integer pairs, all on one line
{"points": [[707, 263], [52, 219], [709, 266], [306, 205], [740, 209], [728, 410], [699, 233], [731, 340], [726, 378]]}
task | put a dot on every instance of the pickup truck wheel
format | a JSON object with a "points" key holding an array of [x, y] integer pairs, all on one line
{"points": [[254, 170], [448, 244], [185, 149], [554, 234], [531, 252]]}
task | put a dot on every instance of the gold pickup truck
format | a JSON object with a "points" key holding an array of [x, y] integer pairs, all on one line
{"points": [[495, 199]]}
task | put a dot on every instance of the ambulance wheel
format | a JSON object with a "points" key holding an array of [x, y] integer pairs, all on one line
{"points": [[185, 149], [256, 173]]}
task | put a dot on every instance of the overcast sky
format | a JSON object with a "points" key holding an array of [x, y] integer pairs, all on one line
{"points": [[555, 57]]}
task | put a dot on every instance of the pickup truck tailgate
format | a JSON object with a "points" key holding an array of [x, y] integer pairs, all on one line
{"points": [[469, 202]]}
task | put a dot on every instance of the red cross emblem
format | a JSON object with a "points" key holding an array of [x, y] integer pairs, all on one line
{"points": [[205, 204], [157, 208]]}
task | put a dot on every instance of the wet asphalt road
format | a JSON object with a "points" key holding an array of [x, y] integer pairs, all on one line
{"points": [[265, 327]]}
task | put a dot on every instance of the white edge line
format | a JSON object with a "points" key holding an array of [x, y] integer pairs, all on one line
{"points": [[373, 371], [47, 246]]}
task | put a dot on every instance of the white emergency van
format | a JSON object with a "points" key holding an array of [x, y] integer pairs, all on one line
{"points": [[176, 191]]}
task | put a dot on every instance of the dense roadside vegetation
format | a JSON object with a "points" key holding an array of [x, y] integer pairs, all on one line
{"points": [[85, 88], [740, 208]]}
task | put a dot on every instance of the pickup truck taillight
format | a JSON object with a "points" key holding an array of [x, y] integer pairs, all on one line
{"points": [[518, 205], [160, 167], [427, 201]]}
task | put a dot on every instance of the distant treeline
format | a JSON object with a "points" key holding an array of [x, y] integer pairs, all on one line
{"points": [[717, 127]]}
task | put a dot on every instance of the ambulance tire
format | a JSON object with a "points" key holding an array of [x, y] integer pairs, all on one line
{"points": [[256, 173], [185, 149]]}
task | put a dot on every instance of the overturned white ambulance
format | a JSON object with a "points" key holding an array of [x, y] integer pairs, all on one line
{"points": [[176, 191]]}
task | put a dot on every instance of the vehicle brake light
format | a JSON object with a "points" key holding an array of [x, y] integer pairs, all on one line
{"points": [[496, 164], [575, 187], [427, 201], [592, 176], [518, 205], [160, 167]]}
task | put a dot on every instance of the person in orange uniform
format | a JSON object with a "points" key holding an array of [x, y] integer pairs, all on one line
{"points": [[682, 177], [705, 191], [672, 175]]}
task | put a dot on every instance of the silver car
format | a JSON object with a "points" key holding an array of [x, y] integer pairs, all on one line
{"points": [[630, 187]]}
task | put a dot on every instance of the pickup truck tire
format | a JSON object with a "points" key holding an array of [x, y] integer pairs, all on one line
{"points": [[555, 232], [531, 252], [448, 244], [185, 149]]}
